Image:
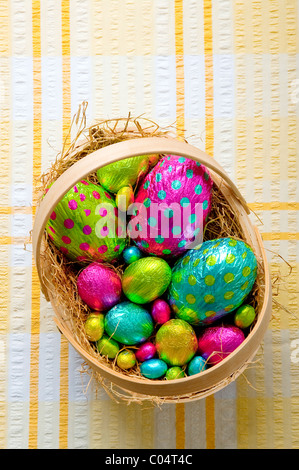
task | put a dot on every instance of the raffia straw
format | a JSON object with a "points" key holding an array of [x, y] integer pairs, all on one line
{"points": [[62, 276]]}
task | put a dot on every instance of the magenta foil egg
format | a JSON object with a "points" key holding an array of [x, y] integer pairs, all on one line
{"points": [[160, 311], [217, 342], [171, 207], [146, 351], [99, 286]]}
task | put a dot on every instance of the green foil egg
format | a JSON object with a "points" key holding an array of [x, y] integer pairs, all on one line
{"points": [[128, 323], [85, 225], [146, 279], [108, 347], [213, 280], [176, 342], [122, 173]]}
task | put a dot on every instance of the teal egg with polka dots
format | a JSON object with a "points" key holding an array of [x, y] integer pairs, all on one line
{"points": [[211, 281], [171, 207]]}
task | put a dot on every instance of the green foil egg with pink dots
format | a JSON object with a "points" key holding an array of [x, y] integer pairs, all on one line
{"points": [[85, 225]]}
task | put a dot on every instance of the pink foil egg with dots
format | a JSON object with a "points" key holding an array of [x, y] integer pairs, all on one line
{"points": [[160, 311], [171, 207], [217, 342], [99, 286], [146, 351]]}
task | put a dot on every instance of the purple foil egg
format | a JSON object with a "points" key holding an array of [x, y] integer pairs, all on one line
{"points": [[171, 207], [160, 311], [217, 342], [146, 351], [99, 287]]}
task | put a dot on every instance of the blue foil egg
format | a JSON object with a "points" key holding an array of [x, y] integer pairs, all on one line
{"points": [[131, 254], [153, 368], [196, 365], [128, 323], [212, 281]]}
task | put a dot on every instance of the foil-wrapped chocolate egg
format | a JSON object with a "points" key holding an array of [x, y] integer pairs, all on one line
{"points": [[108, 347], [211, 281], [176, 342], [146, 279], [196, 365], [216, 342], [94, 326], [124, 198], [160, 311], [146, 351], [131, 254], [126, 359], [244, 316], [174, 373], [171, 207], [128, 323], [99, 286], [85, 226], [122, 173], [153, 368]]}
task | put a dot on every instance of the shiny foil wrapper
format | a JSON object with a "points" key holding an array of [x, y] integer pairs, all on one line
{"points": [[212, 281], [99, 286], [146, 279], [217, 342], [172, 206], [128, 323], [176, 342], [84, 225], [122, 173]]}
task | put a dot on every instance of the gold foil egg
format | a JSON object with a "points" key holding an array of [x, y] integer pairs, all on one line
{"points": [[176, 342], [146, 279], [94, 326]]}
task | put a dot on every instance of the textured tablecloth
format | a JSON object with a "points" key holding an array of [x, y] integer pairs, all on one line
{"points": [[225, 71]]}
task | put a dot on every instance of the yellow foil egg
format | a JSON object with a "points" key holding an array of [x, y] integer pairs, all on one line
{"points": [[124, 198], [126, 359], [146, 279], [176, 342], [94, 326]]}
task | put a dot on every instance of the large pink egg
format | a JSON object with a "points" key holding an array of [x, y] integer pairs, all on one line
{"points": [[217, 342], [171, 207], [99, 286]]}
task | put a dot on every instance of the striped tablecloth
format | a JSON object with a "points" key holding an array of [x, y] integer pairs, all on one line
{"points": [[225, 71]]}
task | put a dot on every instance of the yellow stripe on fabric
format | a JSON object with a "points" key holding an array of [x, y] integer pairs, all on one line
{"points": [[66, 122], [209, 148], [35, 285], [180, 112]]}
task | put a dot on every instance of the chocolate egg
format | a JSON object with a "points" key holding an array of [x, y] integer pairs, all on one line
{"points": [[94, 326], [153, 368], [85, 225], [196, 365], [174, 373], [122, 173], [146, 279], [146, 351], [176, 342], [124, 198], [216, 342], [99, 286], [171, 207], [108, 347], [128, 323], [212, 281], [131, 254], [126, 359], [160, 311], [244, 316]]}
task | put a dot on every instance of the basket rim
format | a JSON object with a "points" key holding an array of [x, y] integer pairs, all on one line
{"points": [[142, 146]]}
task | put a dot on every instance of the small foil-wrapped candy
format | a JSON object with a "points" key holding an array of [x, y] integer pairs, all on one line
{"points": [[94, 326], [153, 368], [160, 311], [244, 316], [146, 351], [176, 342], [108, 347], [131, 254], [99, 286], [126, 359], [217, 342], [174, 373], [196, 365]]}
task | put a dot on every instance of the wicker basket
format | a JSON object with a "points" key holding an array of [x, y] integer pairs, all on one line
{"points": [[139, 388]]}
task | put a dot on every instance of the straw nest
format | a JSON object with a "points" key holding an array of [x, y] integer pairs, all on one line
{"points": [[61, 278]]}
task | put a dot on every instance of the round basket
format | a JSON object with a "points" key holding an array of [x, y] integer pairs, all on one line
{"points": [[124, 385]]}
